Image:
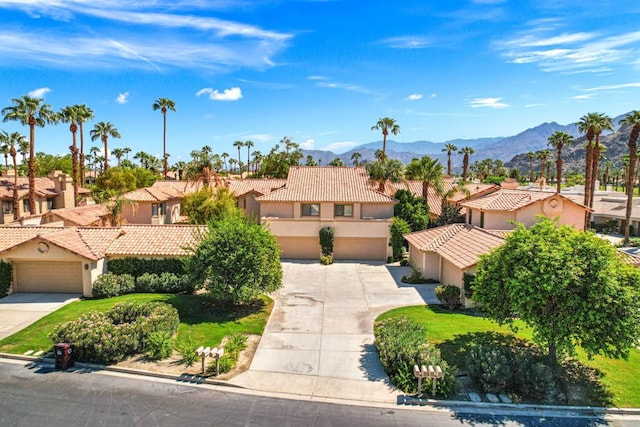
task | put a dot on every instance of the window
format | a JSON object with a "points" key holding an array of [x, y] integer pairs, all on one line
{"points": [[7, 207], [158, 209], [343, 210], [25, 205], [470, 216], [50, 204], [310, 209], [481, 219]]}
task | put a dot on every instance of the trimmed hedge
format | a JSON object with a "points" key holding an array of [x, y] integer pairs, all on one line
{"points": [[124, 330], [110, 285], [6, 276], [164, 283], [139, 266], [448, 295]]}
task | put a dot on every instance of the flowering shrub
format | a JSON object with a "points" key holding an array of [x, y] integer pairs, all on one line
{"points": [[110, 285]]}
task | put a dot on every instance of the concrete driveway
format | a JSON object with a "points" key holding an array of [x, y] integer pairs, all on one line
{"points": [[18, 311], [319, 338]]}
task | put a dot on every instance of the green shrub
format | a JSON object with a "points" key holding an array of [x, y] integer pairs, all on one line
{"points": [[138, 266], [326, 259], [236, 342], [127, 284], [326, 240], [401, 344], [414, 278], [164, 283], [110, 285], [110, 337], [159, 345], [187, 348], [532, 379], [404, 262], [6, 276], [467, 279], [397, 228], [225, 364], [448, 295], [489, 367]]}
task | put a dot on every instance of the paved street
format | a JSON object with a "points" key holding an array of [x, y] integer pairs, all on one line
{"points": [[319, 339], [33, 395]]}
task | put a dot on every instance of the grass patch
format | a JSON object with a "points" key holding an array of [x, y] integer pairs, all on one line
{"points": [[451, 331], [205, 323]]}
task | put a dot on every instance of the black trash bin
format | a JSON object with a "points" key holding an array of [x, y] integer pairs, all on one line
{"points": [[63, 355]]}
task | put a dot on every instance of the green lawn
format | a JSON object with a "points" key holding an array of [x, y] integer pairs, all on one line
{"points": [[451, 331], [201, 321]]}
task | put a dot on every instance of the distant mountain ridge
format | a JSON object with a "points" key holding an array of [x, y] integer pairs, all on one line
{"points": [[502, 148]]}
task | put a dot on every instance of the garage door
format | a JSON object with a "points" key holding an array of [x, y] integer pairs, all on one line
{"points": [[50, 277], [300, 247], [360, 248]]}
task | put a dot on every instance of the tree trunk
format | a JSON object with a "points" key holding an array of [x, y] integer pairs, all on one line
{"points": [[465, 166], [164, 144], [106, 155], [449, 164], [74, 164], [384, 145], [82, 177], [16, 206], [559, 171], [633, 150], [553, 356], [587, 182], [32, 165]]}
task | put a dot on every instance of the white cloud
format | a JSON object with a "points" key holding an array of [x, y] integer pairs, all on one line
{"points": [[414, 97], [122, 98], [433, 95], [39, 93], [583, 97], [487, 103], [326, 83], [308, 144], [613, 87], [408, 42], [259, 137], [231, 94], [340, 146]]}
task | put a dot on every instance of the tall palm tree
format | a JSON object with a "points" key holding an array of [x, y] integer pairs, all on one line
{"points": [[30, 112], [239, 145], [69, 114], [543, 155], [387, 125], [427, 170], [633, 121], [142, 157], [392, 170], [449, 148], [466, 151], [249, 144], [257, 158], [118, 153], [126, 151], [531, 155], [559, 140], [355, 158], [84, 114], [225, 156], [164, 105], [4, 147], [104, 130], [15, 139], [24, 150]]}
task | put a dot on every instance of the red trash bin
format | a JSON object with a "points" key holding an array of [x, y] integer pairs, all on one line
{"points": [[63, 355]]}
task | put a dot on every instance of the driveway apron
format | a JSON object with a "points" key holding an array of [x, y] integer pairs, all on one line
{"points": [[319, 338]]}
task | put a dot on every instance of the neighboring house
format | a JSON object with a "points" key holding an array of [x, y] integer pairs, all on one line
{"points": [[500, 209], [325, 196], [69, 259], [54, 191], [153, 205], [445, 253], [247, 190], [81, 216]]}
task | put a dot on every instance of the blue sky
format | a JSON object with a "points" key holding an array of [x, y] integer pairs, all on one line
{"points": [[319, 71]]}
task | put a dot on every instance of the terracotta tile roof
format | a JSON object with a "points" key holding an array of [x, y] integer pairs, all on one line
{"points": [[629, 257], [45, 187], [154, 194], [460, 244], [261, 186], [327, 184], [511, 200], [82, 215], [155, 240], [185, 187]]}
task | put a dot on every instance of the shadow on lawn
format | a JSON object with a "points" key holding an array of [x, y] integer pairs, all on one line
{"points": [[578, 383], [194, 309]]}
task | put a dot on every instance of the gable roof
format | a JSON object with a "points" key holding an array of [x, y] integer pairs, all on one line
{"points": [[512, 200], [45, 187], [82, 215], [153, 194], [461, 244], [327, 184], [156, 240], [261, 186]]}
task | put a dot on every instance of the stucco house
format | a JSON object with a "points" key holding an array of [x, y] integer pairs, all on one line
{"points": [[247, 190], [325, 196], [69, 259], [445, 253], [500, 209]]}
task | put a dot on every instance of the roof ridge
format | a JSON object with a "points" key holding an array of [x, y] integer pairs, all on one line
{"points": [[85, 242]]}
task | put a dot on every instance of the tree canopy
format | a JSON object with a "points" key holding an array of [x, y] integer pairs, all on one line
{"points": [[236, 261], [413, 210], [571, 287], [206, 205]]}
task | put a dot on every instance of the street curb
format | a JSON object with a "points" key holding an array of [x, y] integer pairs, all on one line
{"points": [[402, 400]]}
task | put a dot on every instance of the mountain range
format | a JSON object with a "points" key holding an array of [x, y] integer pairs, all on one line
{"points": [[510, 149]]}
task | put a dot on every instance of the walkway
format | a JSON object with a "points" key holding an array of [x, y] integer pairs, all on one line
{"points": [[319, 338], [18, 311]]}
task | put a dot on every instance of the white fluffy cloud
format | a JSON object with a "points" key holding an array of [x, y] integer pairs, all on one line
{"points": [[414, 97], [308, 144], [487, 103], [231, 94], [39, 93], [122, 98]]}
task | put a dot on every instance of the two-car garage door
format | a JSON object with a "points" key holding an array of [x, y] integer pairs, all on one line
{"points": [[343, 248], [51, 277]]}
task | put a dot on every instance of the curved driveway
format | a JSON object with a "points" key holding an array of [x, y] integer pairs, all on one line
{"points": [[319, 338]]}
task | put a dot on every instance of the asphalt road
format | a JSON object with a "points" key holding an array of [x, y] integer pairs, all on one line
{"points": [[37, 395]]}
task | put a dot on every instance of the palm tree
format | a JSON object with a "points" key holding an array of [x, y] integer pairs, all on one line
{"points": [[239, 145], [231, 163], [632, 120], [15, 139], [543, 155], [4, 147], [104, 130], [70, 115], [531, 155], [380, 172], [164, 104], [387, 125], [355, 158], [225, 156], [249, 144], [118, 153], [24, 150], [84, 114], [467, 151], [32, 112], [427, 170], [449, 148], [257, 158], [126, 151], [559, 140], [310, 161]]}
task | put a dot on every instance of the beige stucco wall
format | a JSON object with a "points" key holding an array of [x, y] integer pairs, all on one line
{"points": [[173, 211], [137, 213], [428, 263], [377, 210], [309, 226], [276, 209], [451, 275], [497, 220], [249, 205]]}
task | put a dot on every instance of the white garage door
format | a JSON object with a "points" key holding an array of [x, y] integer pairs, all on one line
{"points": [[50, 277], [299, 247], [360, 248]]}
